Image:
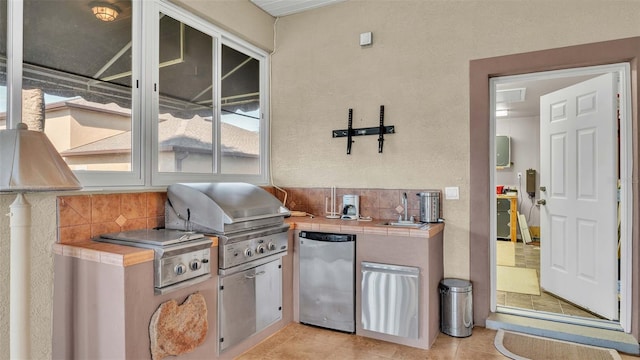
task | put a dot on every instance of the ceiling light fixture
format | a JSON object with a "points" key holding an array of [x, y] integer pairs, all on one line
{"points": [[105, 11]]}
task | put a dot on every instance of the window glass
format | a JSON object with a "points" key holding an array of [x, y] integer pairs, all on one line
{"points": [[77, 80], [240, 116], [185, 116]]}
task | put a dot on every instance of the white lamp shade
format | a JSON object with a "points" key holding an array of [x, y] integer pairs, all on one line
{"points": [[30, 162]]}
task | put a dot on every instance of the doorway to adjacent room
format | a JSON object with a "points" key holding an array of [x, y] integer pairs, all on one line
{"points": [[556, 253]]}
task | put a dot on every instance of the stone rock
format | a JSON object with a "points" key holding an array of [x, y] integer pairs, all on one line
{"points": [[178, 329]]}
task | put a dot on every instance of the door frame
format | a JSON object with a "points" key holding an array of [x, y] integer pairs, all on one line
{"points": [[480, 71], [625, 153]]}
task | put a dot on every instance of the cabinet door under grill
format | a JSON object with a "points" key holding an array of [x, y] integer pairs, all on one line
{"points": [[249, 301], [237, 303]]}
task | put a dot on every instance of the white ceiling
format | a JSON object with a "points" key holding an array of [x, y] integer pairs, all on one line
{"points": [[530, 107], [287, 7]]}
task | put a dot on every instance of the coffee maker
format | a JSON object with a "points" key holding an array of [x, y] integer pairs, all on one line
{"points": [[350, 207]]}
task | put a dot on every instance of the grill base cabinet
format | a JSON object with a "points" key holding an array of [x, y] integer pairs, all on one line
{"points": [[102, 311], [92, 298]]}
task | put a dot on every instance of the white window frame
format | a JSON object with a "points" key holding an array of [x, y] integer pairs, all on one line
{"points": [[220, 37], [144, 109]]}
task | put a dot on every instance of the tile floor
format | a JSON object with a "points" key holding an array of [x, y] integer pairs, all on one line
{"points": [[528, 256], [302, 342]]}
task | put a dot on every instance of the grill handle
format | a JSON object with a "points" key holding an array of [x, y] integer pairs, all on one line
{"points": [[253, 276]]}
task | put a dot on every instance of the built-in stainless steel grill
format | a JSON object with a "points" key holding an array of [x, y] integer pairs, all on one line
{"points": [[181, 258], [248, 221], [253, 238]]}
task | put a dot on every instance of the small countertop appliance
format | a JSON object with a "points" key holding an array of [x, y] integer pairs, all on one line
{"points": [[350, 207]]}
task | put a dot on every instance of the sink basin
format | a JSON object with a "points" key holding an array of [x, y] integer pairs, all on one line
{"points": [[404, 224]]}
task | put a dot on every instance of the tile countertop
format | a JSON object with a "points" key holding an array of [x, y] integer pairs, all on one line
{"points": [[323, 224], [106, 253], [120, 255]]}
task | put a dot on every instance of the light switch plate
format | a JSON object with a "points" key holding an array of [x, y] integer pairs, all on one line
{"points": [[452, 193]]}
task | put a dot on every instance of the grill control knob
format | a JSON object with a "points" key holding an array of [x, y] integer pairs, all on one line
{"points": [[271, 246], [248, 252], [195, 265], [180, 269], [261, 249]]}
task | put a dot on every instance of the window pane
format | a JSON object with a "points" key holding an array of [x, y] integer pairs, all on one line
{"points": [[240, 128], [185, 125], [77, 81]]}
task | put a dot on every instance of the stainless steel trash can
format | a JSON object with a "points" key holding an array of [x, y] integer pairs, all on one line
{"points": [[456, 307]]}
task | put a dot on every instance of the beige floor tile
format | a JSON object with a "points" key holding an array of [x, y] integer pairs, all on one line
{"points": [[481, 340], [297, 341], [547, 307], [325, 336], [354, 354], [301, 350], [409, 353], [475, 354], [372, 346], [529, 256], [522, 304]]}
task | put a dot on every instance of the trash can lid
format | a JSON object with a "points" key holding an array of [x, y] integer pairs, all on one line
{"points": [[456, 285]]}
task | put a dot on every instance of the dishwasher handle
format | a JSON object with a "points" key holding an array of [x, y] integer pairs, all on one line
{"points": [[390, 269]]}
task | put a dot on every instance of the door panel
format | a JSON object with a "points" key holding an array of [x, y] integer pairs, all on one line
{"points": [[578, 168], [587, 177], [587, 258], [558, 168], [558, 248]]}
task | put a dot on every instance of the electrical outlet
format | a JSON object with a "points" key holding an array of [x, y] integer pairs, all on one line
{"points": [[519, 175]]}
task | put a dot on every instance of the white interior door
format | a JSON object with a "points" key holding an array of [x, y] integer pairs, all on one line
{"points": [[578, 159]]}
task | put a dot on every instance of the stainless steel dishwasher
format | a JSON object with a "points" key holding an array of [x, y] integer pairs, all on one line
{"points": [[327, 280], [390, 298]]}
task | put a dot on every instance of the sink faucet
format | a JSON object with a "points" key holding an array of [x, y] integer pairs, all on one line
{"points": [[404, 204]]}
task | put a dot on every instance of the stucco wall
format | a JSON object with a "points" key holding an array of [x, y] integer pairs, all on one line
{"points": [[43, 235], [525, 154], [418, 68], [240, 17]]}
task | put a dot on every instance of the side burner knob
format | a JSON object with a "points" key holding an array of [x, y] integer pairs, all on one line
{"points": [[271, 246], [180, 269], [248, 252], [195, 265]]}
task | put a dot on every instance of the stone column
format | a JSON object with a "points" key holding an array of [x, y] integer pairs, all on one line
{"points": [[33, 109]]}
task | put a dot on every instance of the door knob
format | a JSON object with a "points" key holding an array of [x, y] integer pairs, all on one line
{"points": [[541, 202], [543, 188]]}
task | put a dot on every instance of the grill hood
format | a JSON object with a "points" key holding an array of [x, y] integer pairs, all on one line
{"points": [[221, 208]]}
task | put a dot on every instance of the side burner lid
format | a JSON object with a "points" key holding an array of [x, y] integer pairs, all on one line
{"points": [[156, 237]]}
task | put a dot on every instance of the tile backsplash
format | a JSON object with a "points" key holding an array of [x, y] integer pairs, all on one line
{"points": [[376, 203], [81, 217]]}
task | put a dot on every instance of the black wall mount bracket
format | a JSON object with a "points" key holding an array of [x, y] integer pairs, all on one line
{"points": [[377, 130]]}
